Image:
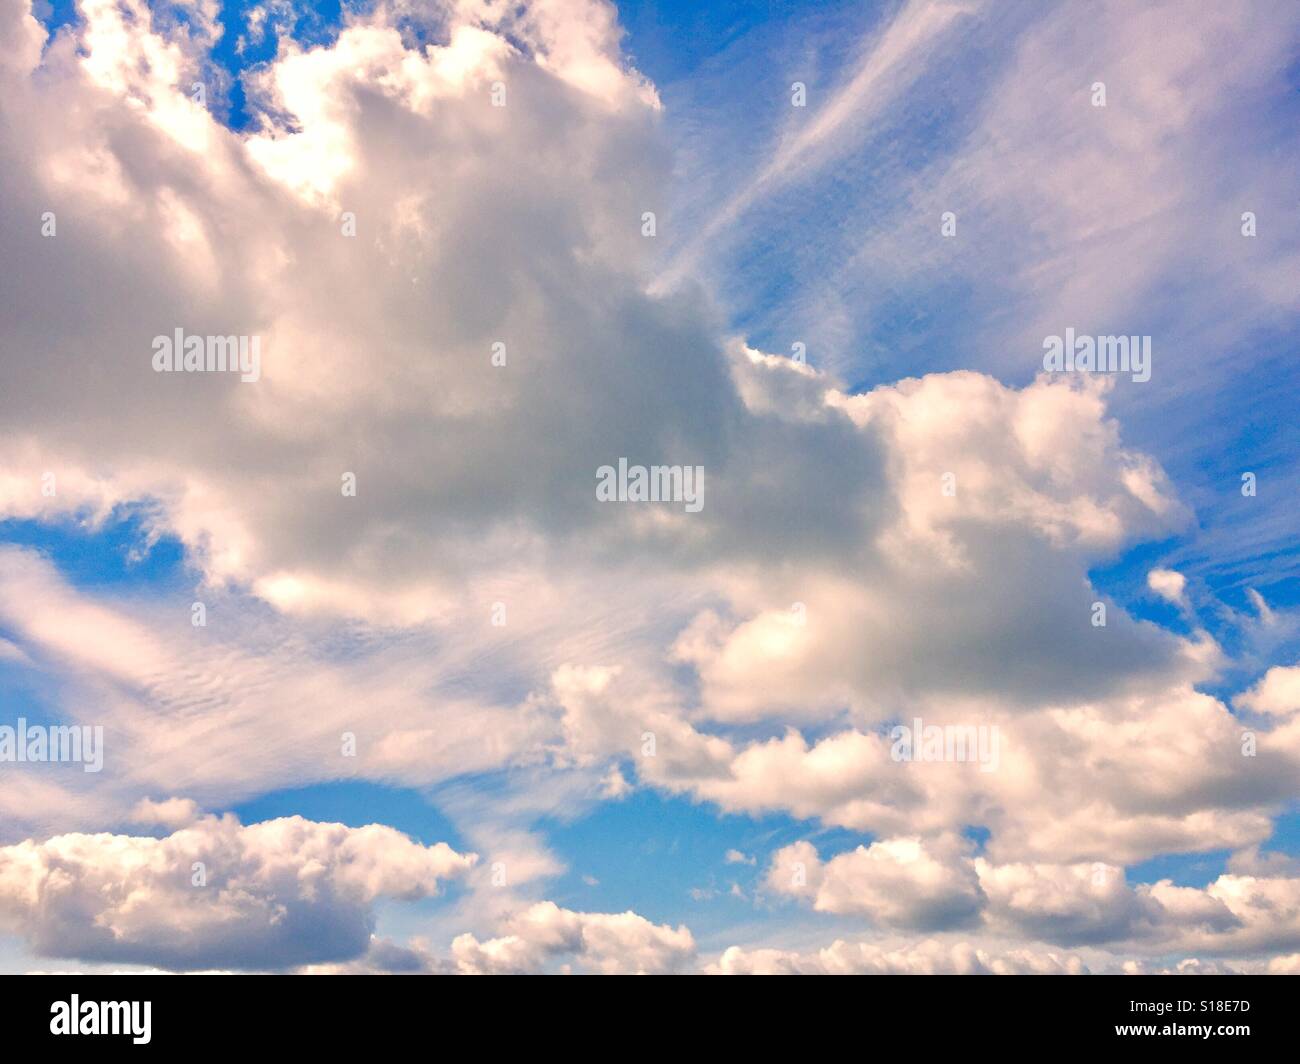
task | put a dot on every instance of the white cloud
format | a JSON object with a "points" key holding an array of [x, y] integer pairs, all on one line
{"points": [[169, 813], [1169, 585], [902, 882], [608, 943], [929, 957], [216, 893], [936, 886], [1277, 694]]}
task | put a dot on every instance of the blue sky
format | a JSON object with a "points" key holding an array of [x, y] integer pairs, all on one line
{"points": [[522, 744]]}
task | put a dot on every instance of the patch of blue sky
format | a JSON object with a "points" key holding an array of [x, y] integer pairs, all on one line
{"points": [[119, 555], [655, 853], [117, 559], [1201, 869], [356, 803], [668, 40]]}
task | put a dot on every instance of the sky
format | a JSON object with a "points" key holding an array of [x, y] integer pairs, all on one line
{"points": [[933, 655]]}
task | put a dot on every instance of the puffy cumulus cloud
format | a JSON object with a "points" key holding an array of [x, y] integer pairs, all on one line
{"points": [[605, 711], [1045, 457], [844, 779], [1121, 779], [1144, 775], [900, 882], [1074, 904], [942, 957], [1169, 585], [1253, 862], [929, 957], [216, 893], [975, 580], [1199, 966], [603, 942], [169, 813], [1266, 910], [578, 42], [475, 225], [937, 886], [1277, 694], [538, 938]]}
